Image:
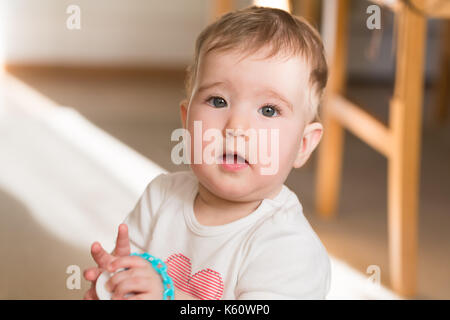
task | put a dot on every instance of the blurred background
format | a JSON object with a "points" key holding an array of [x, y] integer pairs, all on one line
{"points": [[86, 114]]}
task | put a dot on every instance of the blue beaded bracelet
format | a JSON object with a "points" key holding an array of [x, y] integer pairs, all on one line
{"points": [[161, 268]]}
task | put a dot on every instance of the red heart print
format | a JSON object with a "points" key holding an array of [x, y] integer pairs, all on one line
{"points": [[205, 284]]}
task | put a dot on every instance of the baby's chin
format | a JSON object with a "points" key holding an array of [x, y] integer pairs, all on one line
{"points": [[239, 187]]}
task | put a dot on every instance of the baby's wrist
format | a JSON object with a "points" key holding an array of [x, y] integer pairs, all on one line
{"points": [[161, 268]]}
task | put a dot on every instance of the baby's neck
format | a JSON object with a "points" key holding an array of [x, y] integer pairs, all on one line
{"points": [[211, 210]]}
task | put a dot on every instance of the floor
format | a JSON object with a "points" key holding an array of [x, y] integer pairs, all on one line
{"points": [[141, 110]]}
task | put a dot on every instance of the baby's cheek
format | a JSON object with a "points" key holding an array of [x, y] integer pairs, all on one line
{"points": [[287, 154], [282, 144], [289, 150]]}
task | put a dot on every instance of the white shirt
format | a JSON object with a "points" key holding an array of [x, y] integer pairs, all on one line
{"points": [[272, 253]]}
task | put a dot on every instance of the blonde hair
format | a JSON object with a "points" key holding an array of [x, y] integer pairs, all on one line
{"points": [[249, 30]]}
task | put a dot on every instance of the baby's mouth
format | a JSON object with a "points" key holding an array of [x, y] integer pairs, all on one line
{"points": [[233, 158]]}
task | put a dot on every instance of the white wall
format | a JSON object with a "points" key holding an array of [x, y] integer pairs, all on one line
{"points": [[153, 32]]}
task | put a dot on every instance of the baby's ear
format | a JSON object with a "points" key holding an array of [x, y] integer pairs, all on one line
{"points": [[183, 112], [311, 138]]}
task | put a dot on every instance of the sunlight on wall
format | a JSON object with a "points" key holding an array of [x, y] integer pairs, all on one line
{"points": [[2, 34], [2, 56], [76, 180], [280, 4]]}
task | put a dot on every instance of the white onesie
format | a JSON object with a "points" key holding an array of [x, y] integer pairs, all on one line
{"points": [[272, 253]]}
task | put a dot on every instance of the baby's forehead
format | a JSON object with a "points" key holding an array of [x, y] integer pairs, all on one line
{"points": [[287, 74], [265, 54]]}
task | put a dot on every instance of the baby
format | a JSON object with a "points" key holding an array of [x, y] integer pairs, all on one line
{"points": [[227, 229]]}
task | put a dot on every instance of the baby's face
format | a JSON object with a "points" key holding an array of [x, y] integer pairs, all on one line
{"points": [[239, 97]]}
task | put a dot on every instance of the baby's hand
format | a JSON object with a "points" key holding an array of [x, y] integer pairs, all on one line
{"points": [[103, 259], [139, 281]]}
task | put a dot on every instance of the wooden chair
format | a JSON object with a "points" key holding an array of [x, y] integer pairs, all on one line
{"points": [[443, 84], [400, 141]]}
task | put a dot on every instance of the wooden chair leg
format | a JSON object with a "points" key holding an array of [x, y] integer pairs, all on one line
{"points": [[329, 165], [443, 85], [404, 160]]}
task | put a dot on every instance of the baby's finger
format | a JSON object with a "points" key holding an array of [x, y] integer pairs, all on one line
{"points": [[142, 296], [122, 242], [118, 277], [92, 274], [127, 262], [91, 294], [131, 285], [101, 257]]}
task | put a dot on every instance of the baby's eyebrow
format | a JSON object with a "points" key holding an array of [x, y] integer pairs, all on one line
{"points": [[279, 96], [210, 85]]}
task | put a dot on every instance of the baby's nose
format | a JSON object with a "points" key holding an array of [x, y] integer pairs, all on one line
{"points": [[229, 132], [237, 125]]}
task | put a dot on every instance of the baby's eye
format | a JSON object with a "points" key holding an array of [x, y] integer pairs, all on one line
{"points": [[268, 111], [217, 102]]}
